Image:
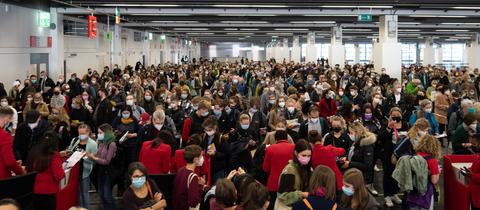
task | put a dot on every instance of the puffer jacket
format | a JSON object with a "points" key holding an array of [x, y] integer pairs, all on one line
{"points": [[362, 157]]}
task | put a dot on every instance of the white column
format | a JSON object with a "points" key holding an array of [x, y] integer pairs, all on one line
{"points": [[255, 53], [296, 50], [117, 46], [146, 48], [278, 51], [57, 53], [311, 54], [285, 51], [357, 54], [439, 54], [388, 52], [473, 52], [428, 52], [337, 49]]}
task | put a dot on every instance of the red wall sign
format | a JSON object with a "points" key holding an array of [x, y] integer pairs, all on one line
{"points": [[92, 27]]}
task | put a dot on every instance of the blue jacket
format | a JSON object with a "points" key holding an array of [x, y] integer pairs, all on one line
{"points": [[87, 162], [431, 119]]}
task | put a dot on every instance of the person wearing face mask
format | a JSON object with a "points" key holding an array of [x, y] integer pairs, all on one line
{"points": [[361, 153], [155, 155], [356, 99], [193, 123], [187, 185], [327, 104], [314, 122], [136, 109], [12, 125], [28, 134], [103, 112], [337, 137], [293, 182], [218, 106], [106, 171], [177, 115], [142, 193], [160, 122], [259, 119], [232, 112], [465, 135], [79, 114], [148, 103], [242, 141], [219, 94], [36, 104], [294, 118], [57, 100], [397, 98], [277, 111], [276, 158], [407, 145], [45, 85], [389, 136], [88, 102], [425, 111], [83, 143], [355, 195], [215, 146], [268, 98], [7, 156]]}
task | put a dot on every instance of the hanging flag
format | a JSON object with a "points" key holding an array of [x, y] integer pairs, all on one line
{"points": [[117, 16], [92, 27]]}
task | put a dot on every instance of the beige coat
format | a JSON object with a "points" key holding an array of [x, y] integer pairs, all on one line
{"points": [[442, 102], [42, 107]]}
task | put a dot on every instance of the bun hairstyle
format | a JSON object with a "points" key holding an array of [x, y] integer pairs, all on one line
{"points": [[314, 136]]}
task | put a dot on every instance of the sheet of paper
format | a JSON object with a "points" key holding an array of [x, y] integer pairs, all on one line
{"points": [[73, 159], [443, 135], [64, 181], [124, 138]]}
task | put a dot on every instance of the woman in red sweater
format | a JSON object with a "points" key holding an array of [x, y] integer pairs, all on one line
{"points": [[276, 158], [45, 160], [155, 155], [7, 158], [327, 104], [326, 155]]}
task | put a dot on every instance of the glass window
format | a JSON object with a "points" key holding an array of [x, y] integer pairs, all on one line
{"points": [[212, 51], [350, 53], [365, 52], [452, 54], [322, 50], [409, 53], [421, 51]]}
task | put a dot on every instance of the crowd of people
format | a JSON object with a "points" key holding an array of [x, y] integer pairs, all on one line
{"points": [[243, 135]]}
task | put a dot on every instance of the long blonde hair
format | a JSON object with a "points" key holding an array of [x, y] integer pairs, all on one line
{"points": [[359, 129], [430, 145], [420, 124]]}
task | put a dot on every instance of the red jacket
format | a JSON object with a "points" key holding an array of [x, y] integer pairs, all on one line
{"points": [[327, 156], [156, 160], [327, 109], [475, 183], [178, 161], [276, 158], [7, 159], [48, 181]]}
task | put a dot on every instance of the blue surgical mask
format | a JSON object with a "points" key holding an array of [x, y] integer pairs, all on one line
{"points": [[347, 191], [244, 127], [217, 113], [83, 137], [205, 114], [125, 116], [138, 182], [471, 110]]}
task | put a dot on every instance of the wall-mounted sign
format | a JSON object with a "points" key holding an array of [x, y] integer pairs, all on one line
{"points": [[92, 27], [365, 18], [43, 19], [40, 41], [107, 35], [117, 16]]}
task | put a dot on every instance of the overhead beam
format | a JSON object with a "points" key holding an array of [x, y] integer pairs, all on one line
{"points": [[273, 11]]}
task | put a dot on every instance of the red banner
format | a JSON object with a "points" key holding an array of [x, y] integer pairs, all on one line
{"points": [[33, 41], [92, 27]]}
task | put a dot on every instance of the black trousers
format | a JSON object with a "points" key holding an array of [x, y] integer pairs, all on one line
{"points": [[44, 201], [273, 197]]}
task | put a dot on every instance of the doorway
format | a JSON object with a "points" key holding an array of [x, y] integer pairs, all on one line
{"points": [[39, 62]]}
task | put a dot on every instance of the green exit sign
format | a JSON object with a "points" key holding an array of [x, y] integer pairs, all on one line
{"points": [[365, 18], [43, 19]]}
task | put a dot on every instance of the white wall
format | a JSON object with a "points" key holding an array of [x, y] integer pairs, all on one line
{"points": [[16, 26]]}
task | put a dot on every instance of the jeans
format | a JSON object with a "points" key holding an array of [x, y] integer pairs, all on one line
{"points": [[84, 196], [105, 191]]}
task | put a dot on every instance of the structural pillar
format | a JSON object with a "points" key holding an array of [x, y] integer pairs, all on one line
{"points": [[285, 52], [337, 49], [296, 50], [387, 54], [473, 53], [428, 52], [311, 51], [57, 53], [116, 51], [146, 48], [357, 54], [439, 54]]}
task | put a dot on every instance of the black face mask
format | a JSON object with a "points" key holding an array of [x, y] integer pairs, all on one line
{"points": [[397, 119], [336, 129]]}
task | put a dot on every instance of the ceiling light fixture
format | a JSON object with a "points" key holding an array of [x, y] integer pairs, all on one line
{"points": [[236, 33], [249, 5], [190, 29], [437, 16], [473, 8], [249, 29], [353, 6], [291, 29], [240, 22], [230, 29], [312, 22], [452, 30], [199, 33], [173, 21], [139, 5]]}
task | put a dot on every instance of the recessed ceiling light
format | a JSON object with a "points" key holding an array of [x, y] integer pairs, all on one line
{"points": [[454, 30], [291, 29], [240, 22], [353, 6], [200, 33], [249, 29], [190, 29], [312, 22], [249, 5], [230, 29]]}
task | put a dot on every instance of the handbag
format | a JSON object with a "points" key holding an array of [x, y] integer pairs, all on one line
{"points": [[189, 181], [152, 200]]}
